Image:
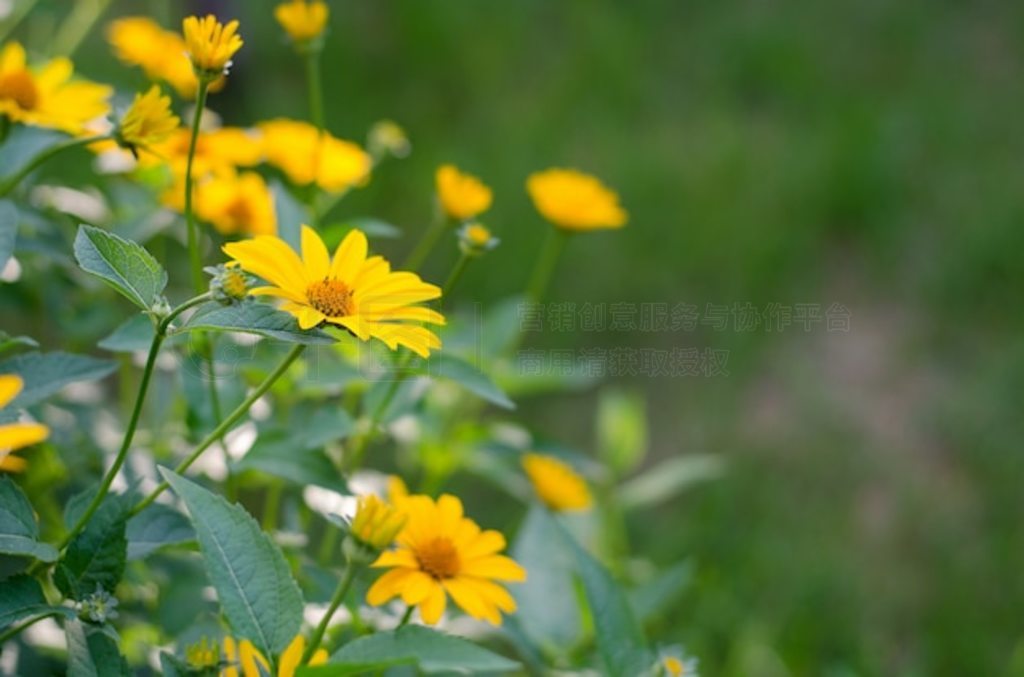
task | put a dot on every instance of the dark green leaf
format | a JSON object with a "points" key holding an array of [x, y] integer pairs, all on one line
{"points": [[8, 231], [277, 454], [20, 597], [7, 342], [92, 652], [131, 336], [661, 593], [155, 527], [96, 557], [443, 365], [23, 144], [18, 529], [122, 264], [254, 318], [46, 373], [260, 598]]}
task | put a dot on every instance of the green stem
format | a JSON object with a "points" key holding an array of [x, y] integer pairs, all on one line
{"points": [[271, 505], [190, 220], [546, 263], [406, 617], [16, 629], [453, 277], [355, 459], [336, 600], [19, 12], [133, 422], [77, 25], [316, 116], [224, 425], [11, 183], [427, 243]]}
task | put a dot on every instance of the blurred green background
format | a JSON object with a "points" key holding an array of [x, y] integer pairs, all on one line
{"points": [[863, 152]]}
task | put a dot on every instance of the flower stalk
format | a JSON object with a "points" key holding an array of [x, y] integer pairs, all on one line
{"points": [[190, 217], [339, 596], [10, 184], [546, 263]]}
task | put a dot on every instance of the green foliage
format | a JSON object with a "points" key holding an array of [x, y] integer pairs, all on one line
{"points": [[450, 367], [93, 653], [19, 533], [96, 557], [21, 596], [8, 231], [156, 527], [122, 264], [254, 318], [46, 373]]}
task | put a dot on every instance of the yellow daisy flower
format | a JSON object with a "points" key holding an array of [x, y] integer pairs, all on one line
{"points": [[557, 485], [302, 20], [462, 196], [16, 435], [575, 201], [48, 97], [237, 204], [245, 660], [305, 155], [440, 552], [149, 120], [140, 41], [351, 291], [376, 523], [210, 44]]}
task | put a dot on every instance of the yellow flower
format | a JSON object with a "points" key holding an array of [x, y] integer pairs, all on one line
{"points": [[244, 655], [440, 552], [140, 41], [203, 654], [376, 523], [16, 435], [462, 196], [210, 44], [237, 204], [149, 120], [475, 239], [351, 291], [304, 155], [397, 490], [557, 485], [302, 20], [574, 200], [48, 97]]}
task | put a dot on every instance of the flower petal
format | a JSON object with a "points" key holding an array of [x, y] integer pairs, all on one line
{"points": [[314, 254]]}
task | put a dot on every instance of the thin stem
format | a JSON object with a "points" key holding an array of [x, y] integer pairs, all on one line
{"points": [[190, 219], [546, 263], [316, 116], [17, 629], [453, 277], [224, 425], [355, 459], [336, 600], [427, 243], [271, 505], [406, 617], [77, 25], [11, 183], [19, 12]]}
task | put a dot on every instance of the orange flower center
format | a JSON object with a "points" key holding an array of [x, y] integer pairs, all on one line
{"points": [[240, 212], [439, 558], [20, 87], [331, 297]]}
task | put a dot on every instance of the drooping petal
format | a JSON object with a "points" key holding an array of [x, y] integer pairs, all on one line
{"points": [[291, 657], [17, 435], [432, 608]]}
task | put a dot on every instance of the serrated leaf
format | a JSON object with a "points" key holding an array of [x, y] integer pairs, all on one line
{"points": [[156, 527], [429, 650], [95, 557], [8, 231], [122, 264], [46, 373], [443, 365], [254, 318], [92, 652], [668, 478], [260, 598], [134, 334], [18, 529]]}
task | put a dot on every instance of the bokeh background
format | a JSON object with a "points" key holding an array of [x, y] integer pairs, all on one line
{"points": [[861, 152]]}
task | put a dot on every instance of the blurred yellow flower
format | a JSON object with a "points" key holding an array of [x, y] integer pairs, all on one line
{"points": [[440, 552], [48, 97], [575, 201], [300, 151], [397, 490], [245, 660], [210, 44], [16, 435], [140, 41], [462, 196], [149, 120], [302, 20], [386, 137], [351, 291], [557, 485], [203, 654], [237, 204], [475, 239], [376, 523]]}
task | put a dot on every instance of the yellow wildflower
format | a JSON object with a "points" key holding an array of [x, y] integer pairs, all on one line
{"points": [[440, 552], [149, 120], [48, 97], [351, 291], [245, 660], [204, 654], [462, 196], [210, 44], [140, 41], [237, 204], [16, 435], [302, 21], [557, 485], [575, 201], [376, 523], [306, 155], [475, 239]]}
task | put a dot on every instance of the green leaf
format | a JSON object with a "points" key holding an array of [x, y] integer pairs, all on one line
{"points": [[620, 638], [155, 527], [8, 231], [92, 652], [7, 342], [662, 592], [254, 318], [46, 373], [133, 335], [429, 650], [621, 430], [95, 557], [260, 598], [20, 597], [122, 264], [668, 478], [334, 233], [290, 215], [443, 365], [19, 532], [276, 454]]}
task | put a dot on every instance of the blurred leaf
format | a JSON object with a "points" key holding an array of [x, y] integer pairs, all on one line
{"points": [[260, 598], [621, 430], [334, 233], [95, 557], [46, 373], [290, 215], [501, 326], [443, 365], [276, 454], [668, 478], [254, 318], [429, 650], [133, 335], [21, 596], [7, 342], [92, 652], [657, 595], [8, 231], [155, 527], [122, 264], [19, 532], [23, 144]]}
